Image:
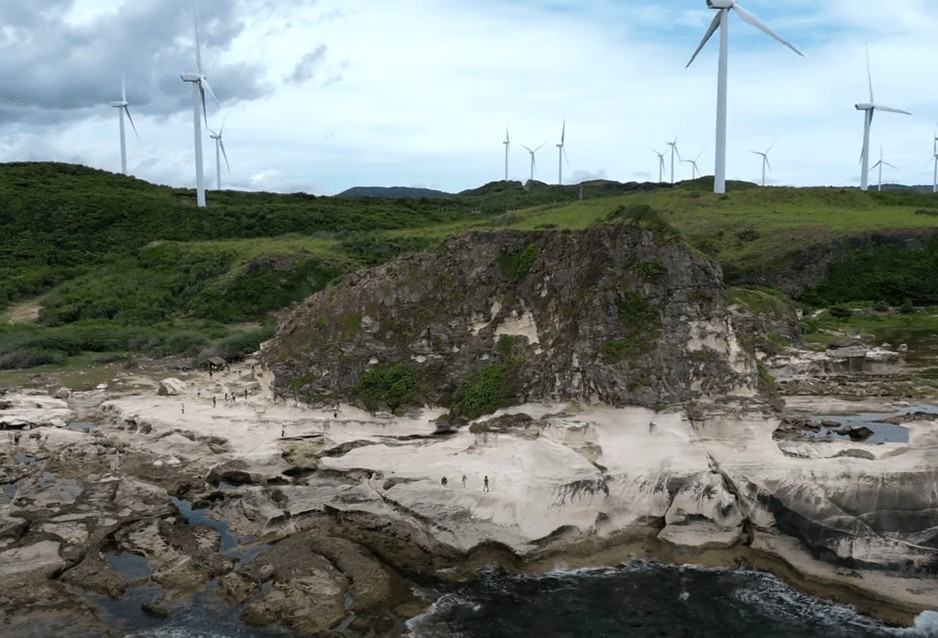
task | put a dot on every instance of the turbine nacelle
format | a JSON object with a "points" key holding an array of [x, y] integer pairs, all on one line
{"points": [[191, 77], [865, 106], [118, 105], [721, 4]]}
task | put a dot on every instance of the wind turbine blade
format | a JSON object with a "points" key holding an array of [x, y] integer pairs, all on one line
{"points": [[869, 75], [198, 48], [526, 148], [713, 27], [767, 162], [566, 159], [203, 82], [223, 153], [202, 93], [127, 111], [754, 21], [698, 156], [889, 109], [769, 149], [539, 147], [123, 88], [563, 132], [222, 129]]}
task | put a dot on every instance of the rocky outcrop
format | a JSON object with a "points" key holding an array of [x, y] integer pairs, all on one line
{"points": [[848, 360], [610, 314], [24, 410], [170, 387]]}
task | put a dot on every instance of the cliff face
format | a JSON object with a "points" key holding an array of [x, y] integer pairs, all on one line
{"points": [[490, 319]]}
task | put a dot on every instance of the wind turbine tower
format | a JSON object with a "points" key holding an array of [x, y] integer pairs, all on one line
{"points": [[674, 151], [122, 109], [507, 143], [765, 160], [721, 21], [199, 86], [660, 165], [219, 152], [869, 108], [561, 153], [532, 158]]}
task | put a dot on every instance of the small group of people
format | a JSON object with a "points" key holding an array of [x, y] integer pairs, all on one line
{"points": [[485, 482]]}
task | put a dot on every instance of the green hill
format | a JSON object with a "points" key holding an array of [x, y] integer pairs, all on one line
{"points": [[391, 192], [91, 261]]}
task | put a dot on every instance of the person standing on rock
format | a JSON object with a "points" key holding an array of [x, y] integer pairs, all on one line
{"points": [[485, 483], [444, 481], [213, 402], [464, 481]]}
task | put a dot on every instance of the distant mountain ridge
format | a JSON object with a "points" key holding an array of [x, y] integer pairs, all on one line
{"points": [[392, 192]]}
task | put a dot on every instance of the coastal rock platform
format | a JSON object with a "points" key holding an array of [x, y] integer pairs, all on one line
{"points": [[316, 518]]}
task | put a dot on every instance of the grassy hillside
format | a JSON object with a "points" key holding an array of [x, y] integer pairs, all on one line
{"points": [[91, 261]]}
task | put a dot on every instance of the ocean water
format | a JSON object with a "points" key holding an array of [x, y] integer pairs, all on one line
{"points": [[638, 600], [644, 599]]}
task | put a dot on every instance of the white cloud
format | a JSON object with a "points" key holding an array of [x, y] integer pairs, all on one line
{"points": [[336, 93]]}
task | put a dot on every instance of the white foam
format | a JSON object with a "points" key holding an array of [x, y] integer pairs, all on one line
{"points": [[926, 624]]}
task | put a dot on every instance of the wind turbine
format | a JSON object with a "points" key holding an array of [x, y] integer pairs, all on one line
{"points": [[561, 153], [721, 21], [219, 151], [507, 143], [199, 86], [674, 150], [870, 108], [121, 105], [693, 165], [532, 158], [880, 165], [765, 160], [934, 152], [660, 165]]}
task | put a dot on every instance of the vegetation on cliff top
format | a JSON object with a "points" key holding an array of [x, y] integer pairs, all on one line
{"points": [[104, 254]]}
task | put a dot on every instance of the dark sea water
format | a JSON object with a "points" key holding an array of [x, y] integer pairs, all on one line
{"points": [[639, 600], [646, 599]]}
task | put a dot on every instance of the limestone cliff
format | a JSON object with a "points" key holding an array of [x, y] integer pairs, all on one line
{"points": [[611, 314]]}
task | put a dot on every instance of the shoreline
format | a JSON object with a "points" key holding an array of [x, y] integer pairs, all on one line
{"points": [[373, 482]]}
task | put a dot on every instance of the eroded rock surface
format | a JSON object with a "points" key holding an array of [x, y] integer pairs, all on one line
{"points": [[632, 426], [610, 314]]}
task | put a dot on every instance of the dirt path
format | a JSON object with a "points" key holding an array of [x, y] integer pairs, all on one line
{"points": [[26, 312]]}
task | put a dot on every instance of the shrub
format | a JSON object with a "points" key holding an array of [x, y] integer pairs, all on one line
{"points": [[392, 385], [517, 265], [481, 392], [241, 344], [840, 312], [649, 269], [184, 342]]}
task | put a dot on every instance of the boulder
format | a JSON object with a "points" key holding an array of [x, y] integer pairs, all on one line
{"points": [[170, 387]]}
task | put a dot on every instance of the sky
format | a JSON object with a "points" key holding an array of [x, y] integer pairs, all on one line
{"points": [[322, 95]]}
